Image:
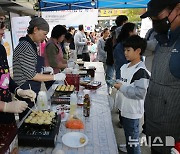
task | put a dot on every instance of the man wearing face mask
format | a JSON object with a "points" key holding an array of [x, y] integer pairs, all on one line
{"points": [[162, 104]]}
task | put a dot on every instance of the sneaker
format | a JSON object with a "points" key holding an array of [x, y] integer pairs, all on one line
{"points": [[122, 148], [142, 138]]}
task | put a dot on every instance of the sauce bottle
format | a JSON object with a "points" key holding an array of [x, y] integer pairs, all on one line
{"points": [[86, 107]]}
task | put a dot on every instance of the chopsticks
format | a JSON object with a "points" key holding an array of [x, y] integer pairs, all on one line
{"points": [[66, 82], [30, 109], [34, 100]]}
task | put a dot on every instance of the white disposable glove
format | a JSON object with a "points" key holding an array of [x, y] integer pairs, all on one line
{"points": [[59, 76], [15, 107], [48, 69], [27, 94]]}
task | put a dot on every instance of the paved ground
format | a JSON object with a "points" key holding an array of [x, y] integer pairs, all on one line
{"points": [[119, 133]]}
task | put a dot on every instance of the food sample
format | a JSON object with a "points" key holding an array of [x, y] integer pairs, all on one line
{"points": [[27, 120], [52, 114], [67, 88], [58, 88], [46, 112], [74, 124], [71, 88], [64, 88], [47, 122], [40, 117], [82, 140]]}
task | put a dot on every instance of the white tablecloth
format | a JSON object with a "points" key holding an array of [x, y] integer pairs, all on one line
{"points": [[98, 127]]}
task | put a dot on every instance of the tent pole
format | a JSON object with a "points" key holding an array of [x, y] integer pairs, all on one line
{"points": [[40, 13]]}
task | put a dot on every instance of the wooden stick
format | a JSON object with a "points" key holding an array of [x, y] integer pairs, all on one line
{"points": [[66, 82], [34, 100], [30, 109]]}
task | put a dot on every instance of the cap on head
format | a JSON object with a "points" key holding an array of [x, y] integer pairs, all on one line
{"points": [[154, 7], [40, 23]]}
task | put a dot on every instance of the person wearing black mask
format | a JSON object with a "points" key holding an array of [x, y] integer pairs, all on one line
{"points": [[162, 105]]}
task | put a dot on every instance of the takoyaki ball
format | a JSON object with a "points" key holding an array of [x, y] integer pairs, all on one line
{"points": [[47, 122], [49, 119], [33, 114], [46, 115], [46, 112], [52, 114], [40, 122], [30, 117], [27, 120], [39, 112], [42, 118], [33, 121]]}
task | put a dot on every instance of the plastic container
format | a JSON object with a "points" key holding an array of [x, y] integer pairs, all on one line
{"points": [[42, 101], [86, 107], [73, 103], [73, 79]]}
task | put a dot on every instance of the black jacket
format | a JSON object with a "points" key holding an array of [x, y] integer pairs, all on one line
{"points": [[109, 49]]}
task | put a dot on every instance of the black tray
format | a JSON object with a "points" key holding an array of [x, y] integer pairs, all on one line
{"points": [[35, 135], [60, 98], [93, 85], [90, 71]]}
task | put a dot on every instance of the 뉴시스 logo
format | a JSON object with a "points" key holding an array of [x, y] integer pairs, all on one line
{"points": [[157, 141]]}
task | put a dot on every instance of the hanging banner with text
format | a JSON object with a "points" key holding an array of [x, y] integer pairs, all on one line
{"points": [[19, 28], [112, 12], [71, 17]]}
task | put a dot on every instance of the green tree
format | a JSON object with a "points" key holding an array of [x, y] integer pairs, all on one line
{"points": [[133, 14]]}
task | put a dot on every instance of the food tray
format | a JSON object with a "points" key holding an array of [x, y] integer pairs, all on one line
{"points": [[80, 63], [93, 85], [65, 88], [36, 135], [60, 98], [90, 71], [83, 73]]}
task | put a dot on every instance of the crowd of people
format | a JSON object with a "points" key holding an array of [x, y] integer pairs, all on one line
{"points": [[148, 87]]}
